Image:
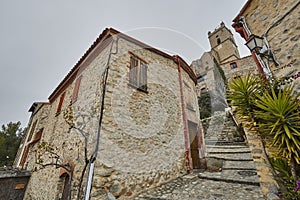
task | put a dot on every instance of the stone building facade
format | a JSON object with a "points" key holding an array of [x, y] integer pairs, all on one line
{"points": [[224, 52], [223, 46], [277, 22], [224, 58], [147, 133]]}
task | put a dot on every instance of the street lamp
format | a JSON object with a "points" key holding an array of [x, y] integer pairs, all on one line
{"points": [[254, 43]]}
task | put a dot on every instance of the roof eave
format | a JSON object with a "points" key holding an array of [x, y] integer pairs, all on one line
{"points": [[236, 19]]}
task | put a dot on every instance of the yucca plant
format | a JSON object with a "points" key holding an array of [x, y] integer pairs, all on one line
{"points": [[279, 120], [241, 94]]}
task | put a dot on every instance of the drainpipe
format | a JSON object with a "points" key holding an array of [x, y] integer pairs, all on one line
{"points": [[95, 153], [185, 125]]}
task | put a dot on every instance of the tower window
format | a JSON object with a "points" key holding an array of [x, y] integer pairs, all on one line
{"points": [[218, 40], [233, 65], [201, 78]]}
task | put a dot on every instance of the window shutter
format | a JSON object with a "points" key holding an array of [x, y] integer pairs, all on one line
{"points": [[24, 156], [76, 89], [138, 73], [133, 74], [143, 77], [61, 100], [32, 130]]}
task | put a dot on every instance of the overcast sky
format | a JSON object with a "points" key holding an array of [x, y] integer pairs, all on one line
{"points": [[40, 41]]}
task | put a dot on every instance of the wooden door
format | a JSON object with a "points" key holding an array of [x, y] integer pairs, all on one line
{"points": [[193, 138]]}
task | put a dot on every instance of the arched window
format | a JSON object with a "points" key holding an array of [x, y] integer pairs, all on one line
{"points": [[218, 40]]}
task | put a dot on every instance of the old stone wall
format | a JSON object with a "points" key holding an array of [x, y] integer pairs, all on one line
{"points": [[226, 51], [68, 143], [280, 24], [202, 65], [142, 143], [223, 47], [203, 68], [221, 32], [244, 65]]}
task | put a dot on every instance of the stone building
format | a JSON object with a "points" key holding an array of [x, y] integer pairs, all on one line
{"points": [[277, 23], [224, 58], [147, 133]]}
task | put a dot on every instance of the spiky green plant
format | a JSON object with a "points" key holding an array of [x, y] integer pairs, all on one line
{"points": [[279, 119], [241, 94]]}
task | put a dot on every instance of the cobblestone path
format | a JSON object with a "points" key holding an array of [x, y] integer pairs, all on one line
{"points": [[191, 187]]}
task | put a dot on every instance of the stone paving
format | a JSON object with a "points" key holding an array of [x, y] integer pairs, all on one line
{"points": [[231, 173], [191, 187]]}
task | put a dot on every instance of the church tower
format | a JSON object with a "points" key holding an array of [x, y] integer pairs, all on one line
{"points": [[223, 46]]}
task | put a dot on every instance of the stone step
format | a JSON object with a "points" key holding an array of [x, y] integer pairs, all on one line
{"points": [[227, 151], [232, 157], [217, 142], [227, 147], [244, 176], [228, 129], [238, 164]]}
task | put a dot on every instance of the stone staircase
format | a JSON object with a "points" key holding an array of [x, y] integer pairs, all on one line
{"points": [[228, 157]]}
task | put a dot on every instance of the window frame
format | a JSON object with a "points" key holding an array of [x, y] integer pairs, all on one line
{"points": [[61, 101], [76, 89], [138, 70], [233, 65]]}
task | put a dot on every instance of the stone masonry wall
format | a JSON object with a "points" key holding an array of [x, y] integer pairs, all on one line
{"points": [[244, 65], [142, 143], [69, 142], [222, 43], [283, 37]]}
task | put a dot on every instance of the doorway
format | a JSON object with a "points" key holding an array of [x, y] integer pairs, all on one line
{"points": [[193, 139]]}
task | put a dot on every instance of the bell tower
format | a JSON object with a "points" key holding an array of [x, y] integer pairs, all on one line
{"points": [[223, 46]]}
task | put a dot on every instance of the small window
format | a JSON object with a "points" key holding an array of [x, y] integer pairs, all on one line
{"points": [[24, 156], [218, 40], [37, 137], [76, 89], [201, 78], [32, 131], [61, 100], [138, 74], [233, 65]]}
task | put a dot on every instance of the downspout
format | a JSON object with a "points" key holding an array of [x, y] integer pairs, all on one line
{"points": [[95, 153], [185, 125]]}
